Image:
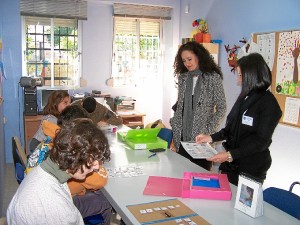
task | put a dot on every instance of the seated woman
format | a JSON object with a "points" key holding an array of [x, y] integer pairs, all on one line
{"points": [[57, 102]]}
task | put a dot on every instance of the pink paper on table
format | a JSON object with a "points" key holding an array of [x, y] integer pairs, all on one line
{"points": [[163, 186], [177, 187]]}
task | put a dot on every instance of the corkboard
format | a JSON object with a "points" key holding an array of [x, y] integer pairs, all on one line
{"points": [[282, 71]]}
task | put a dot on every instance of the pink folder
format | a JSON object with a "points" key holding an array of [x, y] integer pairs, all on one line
{"points": [[163, 186], [177, 187]]}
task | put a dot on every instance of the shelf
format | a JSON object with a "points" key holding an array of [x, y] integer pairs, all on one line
{"points": [[132, 118]]}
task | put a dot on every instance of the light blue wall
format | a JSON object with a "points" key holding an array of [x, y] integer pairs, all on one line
{"points": [[12, 93], [231, 20], [2, 153]]}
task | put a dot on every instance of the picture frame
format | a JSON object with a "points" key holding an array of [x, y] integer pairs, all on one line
{"points": [[249, 197]]}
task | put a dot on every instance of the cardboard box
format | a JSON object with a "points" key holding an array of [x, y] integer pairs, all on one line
{"points": [[143, 138]]}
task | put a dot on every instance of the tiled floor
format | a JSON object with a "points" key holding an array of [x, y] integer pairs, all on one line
{"points": [[11, 186]]}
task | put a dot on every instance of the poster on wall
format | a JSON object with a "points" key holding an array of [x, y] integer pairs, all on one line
{"points": [[285, 71], [266, 47], [287, 76]]}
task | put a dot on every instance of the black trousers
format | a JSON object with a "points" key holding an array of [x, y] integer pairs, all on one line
{"points": [[233, 170], [200, 162]]}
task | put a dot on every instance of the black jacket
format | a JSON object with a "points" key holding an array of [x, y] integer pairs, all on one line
{"points": [[248, 132]]}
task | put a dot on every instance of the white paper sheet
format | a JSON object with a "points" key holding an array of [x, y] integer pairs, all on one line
{"points": [[199, 151], [291, 112]]}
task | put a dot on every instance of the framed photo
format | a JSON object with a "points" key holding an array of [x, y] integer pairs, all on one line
{"points": [[249, 197]]}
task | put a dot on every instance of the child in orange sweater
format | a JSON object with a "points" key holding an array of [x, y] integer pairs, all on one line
{"points": [[86, 193], [94, 181]]}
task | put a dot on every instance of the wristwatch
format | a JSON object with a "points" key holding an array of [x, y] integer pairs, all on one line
{"points": [[229, 157]]}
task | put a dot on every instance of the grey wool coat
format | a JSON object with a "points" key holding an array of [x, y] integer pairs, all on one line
{"points": [[210, 110]]}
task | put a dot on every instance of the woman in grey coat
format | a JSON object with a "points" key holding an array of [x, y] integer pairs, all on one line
{"points": [[201, 103]]}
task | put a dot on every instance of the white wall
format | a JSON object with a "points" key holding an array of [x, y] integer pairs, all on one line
{"points": [[97, 53]]}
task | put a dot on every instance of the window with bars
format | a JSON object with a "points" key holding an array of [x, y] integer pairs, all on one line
{"points": [[52, 50], [136, 50]]}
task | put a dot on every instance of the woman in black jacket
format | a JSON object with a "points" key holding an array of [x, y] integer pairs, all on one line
{"points": [[250, 123]]}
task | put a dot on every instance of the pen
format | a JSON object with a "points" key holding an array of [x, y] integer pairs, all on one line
{"points": [[154, 154]]}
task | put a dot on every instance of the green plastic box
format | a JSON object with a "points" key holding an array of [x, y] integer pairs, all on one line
{"points": [[143, 138]]}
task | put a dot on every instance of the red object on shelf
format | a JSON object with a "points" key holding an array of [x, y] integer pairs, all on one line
{"points": [[199, 37], [206, 37]]}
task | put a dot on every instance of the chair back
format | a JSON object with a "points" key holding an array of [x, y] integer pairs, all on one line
{"points": [[19, 158], [284, 200], [166, 134]]}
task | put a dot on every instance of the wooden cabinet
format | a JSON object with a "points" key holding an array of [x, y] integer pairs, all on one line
{"points": [[132, 119], [31, 125]]}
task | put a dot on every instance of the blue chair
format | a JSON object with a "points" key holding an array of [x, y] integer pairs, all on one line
{"points": [[19, 172], [93, 220], [19, 158], [284, 200], [166, 134]]}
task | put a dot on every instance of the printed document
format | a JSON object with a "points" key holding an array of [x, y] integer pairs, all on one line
{"points": [[199, 151]]}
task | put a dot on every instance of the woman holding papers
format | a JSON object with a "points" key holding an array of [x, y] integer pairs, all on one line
{"points": [[250, 123], [201, 103]]}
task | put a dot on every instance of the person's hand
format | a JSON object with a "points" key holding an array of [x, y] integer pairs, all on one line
{"points": [[102, 124], [203, 138], [219, 158], [296, 52]]}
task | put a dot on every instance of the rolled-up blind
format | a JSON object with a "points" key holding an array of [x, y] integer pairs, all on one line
{"points": [[142, 11], [69, 9]]}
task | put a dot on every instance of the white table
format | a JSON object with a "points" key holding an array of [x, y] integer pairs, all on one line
{"points": [[129, 191]]}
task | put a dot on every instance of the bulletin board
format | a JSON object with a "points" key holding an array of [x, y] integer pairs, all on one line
{"points": [[277, 49]]}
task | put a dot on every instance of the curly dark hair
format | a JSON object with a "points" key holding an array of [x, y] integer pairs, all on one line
{"points": [[256, 74], [79, 143], [206, 62], [54, 99]]}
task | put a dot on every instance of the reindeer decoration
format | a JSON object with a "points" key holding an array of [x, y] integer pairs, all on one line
{"points": [[232, 53]]}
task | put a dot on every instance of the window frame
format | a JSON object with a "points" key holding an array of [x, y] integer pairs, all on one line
{"points": [[77, 68], [137, 80]]}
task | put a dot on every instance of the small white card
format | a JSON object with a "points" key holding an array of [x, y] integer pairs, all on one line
{"points": [[249, 197], [247, 120]]}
